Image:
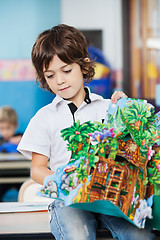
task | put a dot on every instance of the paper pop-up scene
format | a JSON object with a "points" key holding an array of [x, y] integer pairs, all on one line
{"points": [[114, 166]]}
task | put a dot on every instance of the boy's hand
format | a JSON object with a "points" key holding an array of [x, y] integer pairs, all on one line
{"points": [[15, 139], [117, 95]]}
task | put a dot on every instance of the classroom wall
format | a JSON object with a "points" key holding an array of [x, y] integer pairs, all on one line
{"points": [[20, 23], [100, 15]]}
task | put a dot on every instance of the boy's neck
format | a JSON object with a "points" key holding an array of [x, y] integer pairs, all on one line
{"points": [[79, 99], [85, 99], [73, 107]]}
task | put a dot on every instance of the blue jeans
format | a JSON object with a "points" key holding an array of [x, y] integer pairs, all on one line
{"points": [[69, 223]]}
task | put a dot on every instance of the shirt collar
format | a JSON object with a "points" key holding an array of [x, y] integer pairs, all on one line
{"points": [[88, 98]]}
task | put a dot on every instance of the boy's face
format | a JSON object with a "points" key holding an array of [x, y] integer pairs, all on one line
{"points": [[7, 130], [65, 80]]}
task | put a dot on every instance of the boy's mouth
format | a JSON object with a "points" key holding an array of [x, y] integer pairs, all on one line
{"points": [[63, 89]]}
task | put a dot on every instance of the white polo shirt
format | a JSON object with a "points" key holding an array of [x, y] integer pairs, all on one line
{"points": [[43, 132]]}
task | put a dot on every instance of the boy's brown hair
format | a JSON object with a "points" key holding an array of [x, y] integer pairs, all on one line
{"points": [[69, 44], [8, 114]]}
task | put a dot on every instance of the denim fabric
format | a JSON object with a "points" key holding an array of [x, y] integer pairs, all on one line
{"points": [[69, 223], [121, 229]]}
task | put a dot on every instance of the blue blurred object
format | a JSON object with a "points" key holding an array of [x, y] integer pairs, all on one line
{"points": [[97, 55], [10, 195], [101, 86], [8, 147]]}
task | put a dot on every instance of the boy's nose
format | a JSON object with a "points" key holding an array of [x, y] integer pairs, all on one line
{"points": [[59, 80]]}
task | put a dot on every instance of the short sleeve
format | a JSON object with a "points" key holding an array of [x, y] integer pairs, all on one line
{"points": [[36, 137]]}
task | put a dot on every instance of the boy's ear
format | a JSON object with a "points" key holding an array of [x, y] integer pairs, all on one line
{"points": [[85, 71], [87, 59]]}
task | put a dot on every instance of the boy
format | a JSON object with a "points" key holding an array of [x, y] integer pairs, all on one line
{"points": [[8, 126], [62, 62]]}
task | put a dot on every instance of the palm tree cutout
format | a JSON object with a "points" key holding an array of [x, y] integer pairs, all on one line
{"points": [[154, 173], [82, 175], [140, 122], [77, 132], [77, 135]]}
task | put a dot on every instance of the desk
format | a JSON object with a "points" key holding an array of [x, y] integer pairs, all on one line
{"points": [[24, 225], [28, 222], [14, 168], [32, 225]]}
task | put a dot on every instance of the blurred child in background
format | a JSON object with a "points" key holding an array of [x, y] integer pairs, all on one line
{"points": [[8, 144], [8, 126]]}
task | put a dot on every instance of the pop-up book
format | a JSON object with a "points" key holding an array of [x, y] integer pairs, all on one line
{"points": [[115, 166]]}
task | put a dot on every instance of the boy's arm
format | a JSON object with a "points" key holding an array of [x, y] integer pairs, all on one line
{"points": [[39, 168]]}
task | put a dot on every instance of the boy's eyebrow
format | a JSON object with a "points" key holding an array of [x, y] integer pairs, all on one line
{"points": [[48, 70]]}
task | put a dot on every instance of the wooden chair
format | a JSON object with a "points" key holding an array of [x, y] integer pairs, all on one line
{"points": [[28, 192]]}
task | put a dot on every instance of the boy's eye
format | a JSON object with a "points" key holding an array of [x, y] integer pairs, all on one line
{"points": [[50, 76], [67, 71]]}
